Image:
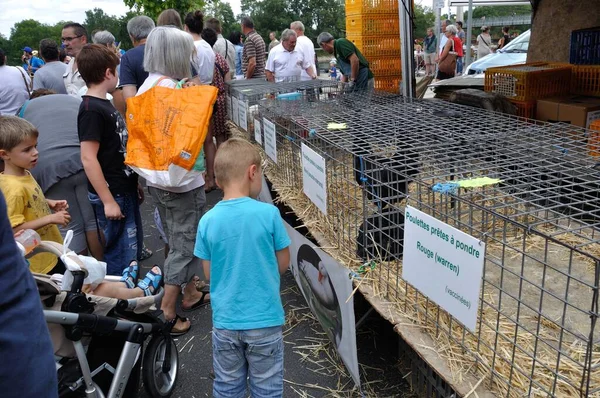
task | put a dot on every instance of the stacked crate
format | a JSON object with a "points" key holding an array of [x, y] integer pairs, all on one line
{"points": [[373, 26], [524, 84]]}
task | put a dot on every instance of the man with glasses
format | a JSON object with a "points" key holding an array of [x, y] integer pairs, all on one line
{"points": [[74, 37]]}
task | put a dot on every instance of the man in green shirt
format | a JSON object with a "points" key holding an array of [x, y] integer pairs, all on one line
{"points": [[352, 63]]}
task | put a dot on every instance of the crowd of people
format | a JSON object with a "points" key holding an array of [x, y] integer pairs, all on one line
{"points": [[63, 146]]}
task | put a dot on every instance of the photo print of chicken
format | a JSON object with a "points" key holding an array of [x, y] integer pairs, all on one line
{"points": [[325, 285]]}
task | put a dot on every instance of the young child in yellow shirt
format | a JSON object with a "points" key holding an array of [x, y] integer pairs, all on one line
{"points": [[27, 206]]}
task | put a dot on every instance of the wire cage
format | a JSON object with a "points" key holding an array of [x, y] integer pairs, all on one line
{"points": [[536, 332], [250, 94]]}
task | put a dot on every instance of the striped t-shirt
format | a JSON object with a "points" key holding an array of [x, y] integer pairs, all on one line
{"points": [[254, 46]]}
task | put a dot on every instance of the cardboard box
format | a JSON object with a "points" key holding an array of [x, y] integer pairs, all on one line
{"points": [[577, 110]]}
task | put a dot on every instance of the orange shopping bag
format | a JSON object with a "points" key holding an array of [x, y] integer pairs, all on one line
{"points": [[167, 128]]}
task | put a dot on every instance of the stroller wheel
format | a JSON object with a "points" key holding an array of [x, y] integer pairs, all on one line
{"points": [[157, 382]]}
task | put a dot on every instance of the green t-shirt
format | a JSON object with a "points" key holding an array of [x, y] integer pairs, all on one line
{"points": [[344, 48]]}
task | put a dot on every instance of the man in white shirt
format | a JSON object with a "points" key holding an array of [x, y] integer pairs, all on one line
{"points": [[285, 62], [443, 38], [14, 87], [305, 46], [74, 37], [223, 46]]}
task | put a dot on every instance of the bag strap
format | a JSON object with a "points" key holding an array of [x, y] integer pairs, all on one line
{"points": [[179, 84], [221, 71], [483, 40], [226, 48], [22, 110], [24, 80]]}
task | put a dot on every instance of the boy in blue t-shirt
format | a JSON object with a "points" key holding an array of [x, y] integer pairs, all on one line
{"points": [[245, 248]]}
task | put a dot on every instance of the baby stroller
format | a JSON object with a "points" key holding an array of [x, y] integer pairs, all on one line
{"points": [[99, 341]]}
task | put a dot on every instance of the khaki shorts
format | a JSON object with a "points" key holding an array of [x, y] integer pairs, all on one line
{"points": [[180, 214], [430, 58]]}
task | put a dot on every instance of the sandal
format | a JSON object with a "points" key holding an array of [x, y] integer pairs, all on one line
{"points": [[130, 274], [176, 331], [151, 281], [199, 303], [146, 253]]}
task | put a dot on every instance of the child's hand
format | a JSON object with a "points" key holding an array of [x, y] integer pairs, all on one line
{"points": [[57, 205], [112, 211], [61, 218], [19, 233]]}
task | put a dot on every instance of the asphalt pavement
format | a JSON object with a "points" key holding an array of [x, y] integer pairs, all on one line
{"points": [[311, 368]]}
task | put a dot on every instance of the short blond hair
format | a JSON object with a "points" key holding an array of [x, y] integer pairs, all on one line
{"points": [[233, 159], [13, 130]]}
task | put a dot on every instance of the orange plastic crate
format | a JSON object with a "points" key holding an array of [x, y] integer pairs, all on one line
{"points": [[385, 66], [586, 80], [529, 81], [377, 46], [390, 84], [375, 24], [594, 139], [361, 7], [525, 108]]}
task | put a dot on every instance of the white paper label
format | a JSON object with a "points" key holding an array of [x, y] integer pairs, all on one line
{"points": [[270, 139], [314, 177], [235, 111], [243, 112], [257, 132], [229, 110], [443, 263]]}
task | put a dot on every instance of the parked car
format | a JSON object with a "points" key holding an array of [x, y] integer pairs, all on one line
{"points": [[515, 52]]}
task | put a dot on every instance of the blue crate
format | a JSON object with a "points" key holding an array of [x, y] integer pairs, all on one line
{"points": [[585, 47]]}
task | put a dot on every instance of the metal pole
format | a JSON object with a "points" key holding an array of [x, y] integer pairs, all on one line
{"points": [[469, 35], [405, 10]]}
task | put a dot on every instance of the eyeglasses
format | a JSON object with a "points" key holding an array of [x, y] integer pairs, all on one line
{"points": [[69, 39]]}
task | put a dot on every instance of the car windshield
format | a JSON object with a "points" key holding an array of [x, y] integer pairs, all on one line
{"points": [[518, 45]]}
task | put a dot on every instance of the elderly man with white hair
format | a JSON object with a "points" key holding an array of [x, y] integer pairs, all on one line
{"points": [[285, 63], [305, 46]]}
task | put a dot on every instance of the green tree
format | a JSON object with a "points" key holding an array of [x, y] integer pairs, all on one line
{"points": [[153, 8], [223, 12], [29, 32], [499, 11], [424, 18], [97, 19], [316, 15]]}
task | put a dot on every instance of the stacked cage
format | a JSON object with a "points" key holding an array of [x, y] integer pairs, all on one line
{"points": [[373, 26], [536, 331], [245, 98], [524, 84]]}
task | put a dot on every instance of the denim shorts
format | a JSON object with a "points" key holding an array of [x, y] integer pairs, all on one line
{"points": [[254, 355], [124, 238], [179, 215]]}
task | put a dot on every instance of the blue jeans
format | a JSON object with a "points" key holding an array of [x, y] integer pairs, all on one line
{"points": [[459, 64], [256, 354], [123, 239]]}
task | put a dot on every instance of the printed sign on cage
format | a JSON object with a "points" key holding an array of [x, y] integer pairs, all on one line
{"points": [[243, 113], [314, 177], [229, 110], [443, 263], [325, 285], [235, 111], [270, 140], [257, 132]]}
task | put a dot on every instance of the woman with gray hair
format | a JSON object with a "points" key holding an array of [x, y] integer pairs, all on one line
{"points": [[450, 50], [167, 60]]}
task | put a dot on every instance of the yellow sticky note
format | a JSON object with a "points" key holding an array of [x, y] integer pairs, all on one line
{"points": [[336, 126], [478, 182]]}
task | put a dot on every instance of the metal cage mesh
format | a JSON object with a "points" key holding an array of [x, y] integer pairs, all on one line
{"points": [[538, 304]]}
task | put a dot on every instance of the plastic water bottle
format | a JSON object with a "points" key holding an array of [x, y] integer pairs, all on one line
{"points": [[28, 240]]}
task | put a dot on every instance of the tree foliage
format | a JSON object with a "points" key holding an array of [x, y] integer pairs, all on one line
{"points": [[28, 33], [499, 11], [153, 8], [316, 15], [97, 19], [223, 12], [424, 18]]}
